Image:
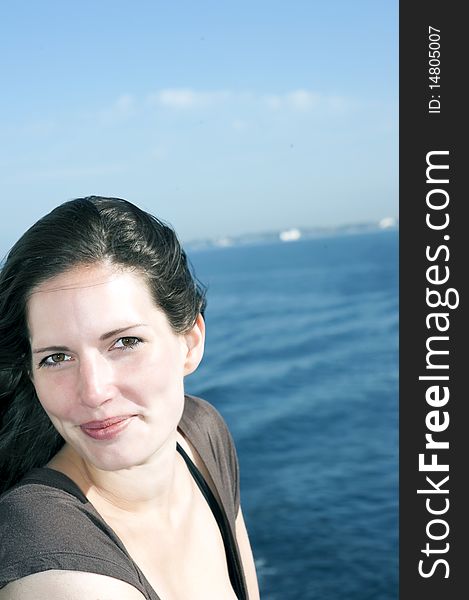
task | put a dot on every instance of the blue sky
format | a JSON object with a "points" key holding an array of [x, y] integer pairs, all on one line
{"points": [[221, 118]]}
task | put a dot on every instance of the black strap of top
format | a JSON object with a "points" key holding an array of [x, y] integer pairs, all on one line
{"points": [[232, 560]]}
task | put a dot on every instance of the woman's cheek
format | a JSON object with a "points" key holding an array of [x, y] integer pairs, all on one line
{"points": [[151, 377], [56, 396], [158, 369]]}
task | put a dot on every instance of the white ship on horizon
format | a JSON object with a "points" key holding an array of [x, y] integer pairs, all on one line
{"points": [[290, 235]]}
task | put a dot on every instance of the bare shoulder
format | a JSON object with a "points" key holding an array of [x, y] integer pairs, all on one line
{"points": [[69, 585]]}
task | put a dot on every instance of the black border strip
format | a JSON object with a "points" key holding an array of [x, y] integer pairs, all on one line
{"points": [[432, 271]]}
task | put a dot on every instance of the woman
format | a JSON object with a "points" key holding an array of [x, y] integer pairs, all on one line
{"points": [[115, 483]]}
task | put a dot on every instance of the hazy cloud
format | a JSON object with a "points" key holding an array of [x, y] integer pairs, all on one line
{"points": [[186, 99], [125, 106], [273, 101], [183, 98], [300, 100], [305, 100], [75, 172], [239, 125]]}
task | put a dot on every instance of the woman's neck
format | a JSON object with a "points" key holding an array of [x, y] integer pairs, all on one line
{"points": [[157, 486]]}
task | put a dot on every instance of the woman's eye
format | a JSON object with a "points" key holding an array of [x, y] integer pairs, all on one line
{"points": [[127, 342], [55, 359]]}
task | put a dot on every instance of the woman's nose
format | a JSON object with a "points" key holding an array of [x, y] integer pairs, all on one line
{"points": [[95, 381]]}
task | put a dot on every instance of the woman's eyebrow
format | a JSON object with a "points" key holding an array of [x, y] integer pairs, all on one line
{"points": [[114, 332], [51, 349], [102, 338]]}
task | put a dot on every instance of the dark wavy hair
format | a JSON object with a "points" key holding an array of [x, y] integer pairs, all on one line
{"points": [[83, 231]]}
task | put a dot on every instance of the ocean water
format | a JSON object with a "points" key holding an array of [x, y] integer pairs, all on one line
{"points": [[302, 361]]}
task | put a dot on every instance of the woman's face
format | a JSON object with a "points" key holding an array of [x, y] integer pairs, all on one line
{"points": [[107, 367]]}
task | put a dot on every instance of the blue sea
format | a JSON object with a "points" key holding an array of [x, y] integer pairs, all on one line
{"points": [[302, 361]]}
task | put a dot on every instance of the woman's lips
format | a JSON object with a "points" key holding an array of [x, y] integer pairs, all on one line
{"points": [[106, 429]]}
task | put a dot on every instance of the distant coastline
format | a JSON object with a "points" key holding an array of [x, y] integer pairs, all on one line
{"points": [[280, 236], [292, 234]]}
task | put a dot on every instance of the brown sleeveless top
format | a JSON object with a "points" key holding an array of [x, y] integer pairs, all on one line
{"points": [[47, 523]]}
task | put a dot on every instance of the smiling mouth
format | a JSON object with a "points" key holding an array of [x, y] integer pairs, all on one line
{"points": [[105, 422], [106, 429]]}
